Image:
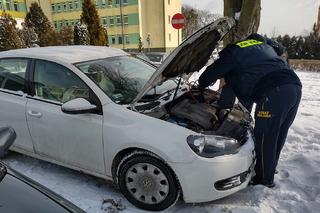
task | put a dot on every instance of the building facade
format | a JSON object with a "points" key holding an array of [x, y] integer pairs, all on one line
{"points": [[126, 20], [16, 8]]}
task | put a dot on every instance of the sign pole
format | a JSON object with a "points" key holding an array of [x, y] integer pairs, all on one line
{"points": [[178, 36]]}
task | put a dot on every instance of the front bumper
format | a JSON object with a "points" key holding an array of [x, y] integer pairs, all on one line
{"points": [[207, 179]]}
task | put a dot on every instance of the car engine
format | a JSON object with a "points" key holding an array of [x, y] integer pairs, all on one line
{"points": [[198, 110]]}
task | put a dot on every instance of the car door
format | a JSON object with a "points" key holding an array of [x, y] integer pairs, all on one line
{"points": [[13, 72], [70, 139]]}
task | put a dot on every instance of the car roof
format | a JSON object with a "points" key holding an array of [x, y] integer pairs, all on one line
{"points": [[68, 54]]}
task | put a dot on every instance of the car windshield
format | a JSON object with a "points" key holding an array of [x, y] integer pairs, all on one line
{"points": [[121, 78], [155, 57]]}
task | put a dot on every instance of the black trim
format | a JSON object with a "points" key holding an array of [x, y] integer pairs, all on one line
{"points": [[30, 77], [10, 93], [227, 184]]}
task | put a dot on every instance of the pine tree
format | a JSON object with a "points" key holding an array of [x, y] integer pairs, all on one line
{"points": [[28, 35], [140, 45], [299, 48], [91, 18], [9, 36], [80, 34], [38, 20], [65, 36], [105, 30]]}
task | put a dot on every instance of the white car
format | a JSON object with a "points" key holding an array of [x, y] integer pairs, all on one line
{"points": [[100, 111]]}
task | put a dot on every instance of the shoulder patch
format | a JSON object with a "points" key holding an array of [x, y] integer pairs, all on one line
{"points": [[248, 43]]}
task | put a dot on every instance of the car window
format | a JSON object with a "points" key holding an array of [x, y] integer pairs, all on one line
{"points": [[57, 83], [155, 58], [121, 78], [12, 74]]}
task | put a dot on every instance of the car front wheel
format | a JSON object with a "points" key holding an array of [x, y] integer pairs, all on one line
{"points": [[148, 183]]}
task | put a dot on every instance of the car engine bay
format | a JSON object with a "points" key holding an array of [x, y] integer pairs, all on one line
{"points": [[198, 110]]}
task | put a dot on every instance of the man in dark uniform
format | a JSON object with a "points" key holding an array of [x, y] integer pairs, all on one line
{"points": [[256, 72]]}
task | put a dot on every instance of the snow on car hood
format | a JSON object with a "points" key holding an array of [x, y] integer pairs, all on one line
{"points": [[191, 55]]}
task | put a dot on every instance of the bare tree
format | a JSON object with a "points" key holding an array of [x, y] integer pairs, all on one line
{"points": [[196, 19]]}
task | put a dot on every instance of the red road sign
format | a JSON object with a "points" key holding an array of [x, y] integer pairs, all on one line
{"points": [[178, 21]]}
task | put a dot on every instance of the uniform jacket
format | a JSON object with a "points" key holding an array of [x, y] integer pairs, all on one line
{"points": [[251, 67]]}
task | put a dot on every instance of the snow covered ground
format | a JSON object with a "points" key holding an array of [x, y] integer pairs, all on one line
{"points": [[298, 181]]}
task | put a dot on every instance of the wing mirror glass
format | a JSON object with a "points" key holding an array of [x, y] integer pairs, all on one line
{"points": [[78, 106], [7, 137]]}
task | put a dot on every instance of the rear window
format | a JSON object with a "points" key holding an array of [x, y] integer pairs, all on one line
{"points": [[12, 74]]}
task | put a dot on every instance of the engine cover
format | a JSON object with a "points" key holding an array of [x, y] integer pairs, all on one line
{"points": [[199, 113]]}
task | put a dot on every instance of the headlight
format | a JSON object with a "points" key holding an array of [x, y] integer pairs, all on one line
{"points": [[211, 146]]}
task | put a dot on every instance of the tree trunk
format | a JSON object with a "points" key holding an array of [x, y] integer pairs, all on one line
{"points": [[249, 19]]}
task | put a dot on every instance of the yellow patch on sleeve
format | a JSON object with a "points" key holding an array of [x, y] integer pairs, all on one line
{"points": [[264, 114]]}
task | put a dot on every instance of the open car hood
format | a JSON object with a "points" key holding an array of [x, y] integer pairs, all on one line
{"points": [[191, 55]]}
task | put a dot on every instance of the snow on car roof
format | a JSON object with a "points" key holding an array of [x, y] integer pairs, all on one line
{"points": [[68, 54]]}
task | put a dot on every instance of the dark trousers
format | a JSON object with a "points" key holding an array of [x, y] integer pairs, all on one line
{"points": [[274, 114]]}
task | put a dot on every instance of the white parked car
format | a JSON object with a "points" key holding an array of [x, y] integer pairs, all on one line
{"points": [[100, 111]]}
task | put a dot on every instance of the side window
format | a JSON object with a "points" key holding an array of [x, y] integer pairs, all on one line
{"points": [[13, 73], [57, 83]]}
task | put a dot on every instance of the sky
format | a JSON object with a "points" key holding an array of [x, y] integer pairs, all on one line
{"points": [[278, 17]]}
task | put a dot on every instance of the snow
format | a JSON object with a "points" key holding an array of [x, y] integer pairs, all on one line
{"points": [[298, 181], [68, 54]]}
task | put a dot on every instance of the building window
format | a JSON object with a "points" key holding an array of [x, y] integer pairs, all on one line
{"points": [[76, 5], [111, 21], [169, 36], [127, 39], [15, 6], [169, 19], [64, 7], [53, 8], [126, 19], [169, 2], [70, 6], [59, 8], [125, 2], [117, 2], [120, 40], [113, 40], [118, 20], [97, 3], [110, 3], [1, 5], [55, 25], [8, 4], [103, 3], [104, 21]]}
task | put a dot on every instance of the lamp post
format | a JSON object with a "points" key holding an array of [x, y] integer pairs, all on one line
{"points": [[122, 27]]}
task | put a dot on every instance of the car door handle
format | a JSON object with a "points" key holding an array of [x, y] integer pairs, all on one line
{"points": [[34, 114]]}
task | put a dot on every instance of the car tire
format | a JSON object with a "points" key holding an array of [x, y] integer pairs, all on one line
{"points": [[147, 182]]}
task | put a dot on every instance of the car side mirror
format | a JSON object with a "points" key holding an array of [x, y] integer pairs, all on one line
{"points": [[78, 106], [7, 137]]}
